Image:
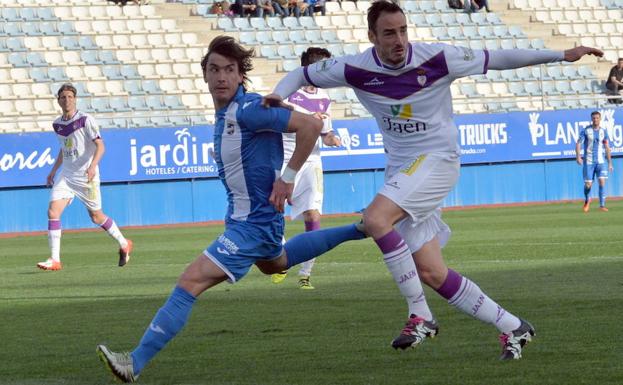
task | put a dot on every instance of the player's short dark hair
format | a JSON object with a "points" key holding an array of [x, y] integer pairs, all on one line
{"points": [[228, 46], [595, 113], [66, 87], [314, 54], [378, 7]]}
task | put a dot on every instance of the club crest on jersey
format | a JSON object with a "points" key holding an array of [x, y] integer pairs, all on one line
{"points": [[421, 77], [230, 127], [401, 111], [324, 65]]}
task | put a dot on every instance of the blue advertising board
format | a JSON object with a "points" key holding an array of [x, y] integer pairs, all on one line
{"points": [[186, 152]]}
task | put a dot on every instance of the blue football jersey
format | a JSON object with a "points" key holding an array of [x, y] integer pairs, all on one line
{"points": [[249, 154], [595, 142]]}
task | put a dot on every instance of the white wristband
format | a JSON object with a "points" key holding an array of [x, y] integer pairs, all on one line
{"points": [[288, 175]]}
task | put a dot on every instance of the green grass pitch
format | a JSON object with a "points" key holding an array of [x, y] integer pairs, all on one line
{"points": [[559, 268]]}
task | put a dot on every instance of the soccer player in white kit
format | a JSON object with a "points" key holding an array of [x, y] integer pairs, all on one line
{"points": [[81, 150], [308, 185], [406, 87]]}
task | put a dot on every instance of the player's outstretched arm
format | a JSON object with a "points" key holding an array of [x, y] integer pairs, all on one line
{"points": [[504, 59]]}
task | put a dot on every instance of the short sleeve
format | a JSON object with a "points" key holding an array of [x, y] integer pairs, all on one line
{"points": [[606, 136], [463, 61], [256, 117], [327, 73], [92, 130], [582, 136]]}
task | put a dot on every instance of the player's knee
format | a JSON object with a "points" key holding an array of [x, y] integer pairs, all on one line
{"points": [[430, 277]]}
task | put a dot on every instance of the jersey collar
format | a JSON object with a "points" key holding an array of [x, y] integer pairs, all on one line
{"points": [[403, 65], [239, 94]]}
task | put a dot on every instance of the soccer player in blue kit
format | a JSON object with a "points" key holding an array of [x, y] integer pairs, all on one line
{"points": [[249, 155], [596, 146]]}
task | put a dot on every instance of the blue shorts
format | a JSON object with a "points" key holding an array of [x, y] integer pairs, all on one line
{"points": [[242, 244], [595, 170]]}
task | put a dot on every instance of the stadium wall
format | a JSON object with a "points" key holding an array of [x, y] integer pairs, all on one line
{"points": [[196, 200]]}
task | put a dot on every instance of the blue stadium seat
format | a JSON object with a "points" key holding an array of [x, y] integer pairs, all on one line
{"points": [[39, 75], [10, 14], [269, 52], [112, 72], [90, 57], [159, 121], [69, 42], [129, 72], [139, 121], [105, 122], [101, 105], [35, 59], [137, 103], [533, 88], [31, 28], [13, 28], [28, 14], [172, 102], [308, 22], [83, 104], [66, 28], [18, 59], [46, 13], [291, 22], [133, 87], [57, 74], [119, 104], [469, 90], [177, 120], [48, 28], [80, 89], [151, 87], [85, 42], [120, 122]]}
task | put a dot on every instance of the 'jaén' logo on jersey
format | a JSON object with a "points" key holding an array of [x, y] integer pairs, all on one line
{"points": [[374, 82], [401, 111]]}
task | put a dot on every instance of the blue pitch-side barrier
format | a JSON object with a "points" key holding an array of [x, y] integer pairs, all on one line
{"points": [[167, 175]]}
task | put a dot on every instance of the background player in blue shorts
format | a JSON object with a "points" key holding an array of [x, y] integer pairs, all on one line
{"points": [[596, 150], [249, 155]]}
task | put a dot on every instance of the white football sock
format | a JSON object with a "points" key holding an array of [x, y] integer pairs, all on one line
{"points": [[473, 301]]}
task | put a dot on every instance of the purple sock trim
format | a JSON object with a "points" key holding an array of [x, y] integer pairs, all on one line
{"points": [[451, 285], [312, 226], [54, 224], [389, 242], [107, 224]]}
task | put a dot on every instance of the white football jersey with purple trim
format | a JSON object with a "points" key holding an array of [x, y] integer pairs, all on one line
{"points": [[76, 137], [308, 103], [412, 103]]}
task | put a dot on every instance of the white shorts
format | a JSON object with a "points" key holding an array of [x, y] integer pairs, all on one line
{"points": [[87, 192], [419, 188], [308, 190]]}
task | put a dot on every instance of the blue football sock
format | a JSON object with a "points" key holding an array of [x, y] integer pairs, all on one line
{"points": [[169, 320], [306, 246], [602, 196], [587, 191]]}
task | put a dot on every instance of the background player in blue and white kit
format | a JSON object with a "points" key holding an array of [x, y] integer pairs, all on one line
{"points": [[596, 146], [249, 154], [81, 150], [406, 87], [308, 186]]}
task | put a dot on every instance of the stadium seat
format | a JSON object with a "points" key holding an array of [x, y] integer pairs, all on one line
{"points": [[44, 106], [281, 37], [151, 87], [172, 102], [119, 104], [112, 72], [18, 59], [137, 103]]}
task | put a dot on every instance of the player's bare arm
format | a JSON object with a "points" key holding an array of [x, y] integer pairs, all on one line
{"points": [[99, 153], [307, 129], [608, 155], [578, 157], [57, 165]]}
